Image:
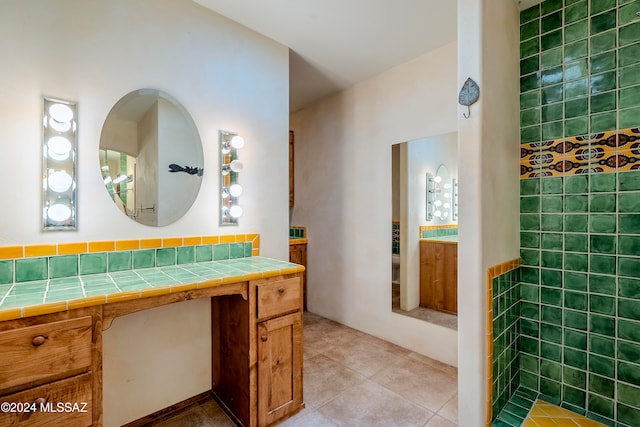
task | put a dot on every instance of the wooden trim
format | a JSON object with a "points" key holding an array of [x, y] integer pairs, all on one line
{"points": [[113, 310], [170, 411]]}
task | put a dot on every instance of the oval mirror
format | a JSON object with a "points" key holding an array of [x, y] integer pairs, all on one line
{"points": [[151, 157]]}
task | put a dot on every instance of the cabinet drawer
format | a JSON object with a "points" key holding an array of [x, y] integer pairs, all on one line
{"points": [[278, 297], [36, 353], [66, 403]]}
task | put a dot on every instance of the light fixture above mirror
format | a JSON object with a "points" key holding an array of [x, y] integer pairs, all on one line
{"points": [[59, 145], [230, 167]]}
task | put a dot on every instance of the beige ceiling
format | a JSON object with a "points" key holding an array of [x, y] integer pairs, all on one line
{"points": [[336, 43]]}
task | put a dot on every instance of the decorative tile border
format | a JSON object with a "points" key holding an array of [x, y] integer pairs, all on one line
{"points": [[53, 249], [601, 152], [500, 289]]}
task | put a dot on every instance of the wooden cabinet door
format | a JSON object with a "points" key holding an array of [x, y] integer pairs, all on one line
{"points": [[279, 367], [439, 276]]}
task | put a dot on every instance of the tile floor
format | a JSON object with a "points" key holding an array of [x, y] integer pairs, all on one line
{"points": [[432, 316], [355, 379]]}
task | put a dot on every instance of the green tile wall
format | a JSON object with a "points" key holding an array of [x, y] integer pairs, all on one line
{"points": [[579, 321], [506, 324]]}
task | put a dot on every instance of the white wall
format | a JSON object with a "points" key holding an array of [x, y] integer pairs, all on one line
{"points": [[488, 41], [343, 193], [95, 52]]}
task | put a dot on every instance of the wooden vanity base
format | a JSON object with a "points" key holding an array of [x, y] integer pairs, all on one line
{"points": [[256, 353]]}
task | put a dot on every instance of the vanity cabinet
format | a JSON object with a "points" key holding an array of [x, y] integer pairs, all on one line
{"points": [[53, 362], [270, 342], [51, 365], [439, 275]]}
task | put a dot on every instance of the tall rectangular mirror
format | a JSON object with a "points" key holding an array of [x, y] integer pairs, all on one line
{"points": [[424, 230]]}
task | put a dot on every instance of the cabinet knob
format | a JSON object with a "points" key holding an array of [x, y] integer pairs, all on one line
{"points": [[281, 290], [264, 337], [38, 340]]}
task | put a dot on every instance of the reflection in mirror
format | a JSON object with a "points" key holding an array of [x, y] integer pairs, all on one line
{"points": [[412, 293], [146, 140]]}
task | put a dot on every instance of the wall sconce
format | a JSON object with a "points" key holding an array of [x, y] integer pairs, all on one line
{"points": [[59, 145], [230, 167]]}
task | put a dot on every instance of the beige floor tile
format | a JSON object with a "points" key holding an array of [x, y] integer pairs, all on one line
{"points": [[308, 417], [369, 404], [438, 421], [448, 369], [450, 409], [418, 382], [325, 378], [363, 355]]}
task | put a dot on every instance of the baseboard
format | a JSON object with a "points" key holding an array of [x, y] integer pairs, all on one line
{"points": [[169, 411]]}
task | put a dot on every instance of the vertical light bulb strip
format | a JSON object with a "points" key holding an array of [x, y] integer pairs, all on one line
{"points": [[230, 167], [59, 148], [430, 196]]}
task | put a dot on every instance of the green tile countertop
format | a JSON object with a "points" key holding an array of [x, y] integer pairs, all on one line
{"points": [[445, 239], [54, 295]]}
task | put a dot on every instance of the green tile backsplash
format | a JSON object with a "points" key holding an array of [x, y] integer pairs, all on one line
{"points": [[64, 266], [578, 327]]}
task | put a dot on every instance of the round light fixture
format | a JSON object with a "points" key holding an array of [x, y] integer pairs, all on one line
{"points": [[59, 212], [58, 148], [235, 211], [60, 181], [235, 190], [61, 113], [236, 165], [237, 142]]}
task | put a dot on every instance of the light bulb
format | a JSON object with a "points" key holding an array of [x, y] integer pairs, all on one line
{"points": [[59, 212], [59, 126], [121, 178], [445, 214], [237, 142], [447, 206], [437, 203], [61, 113], [236, 165], [235, 211], [235, 190], [225, 149], [437, 213], [58, 148], [60, 181], [438, 178]]}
